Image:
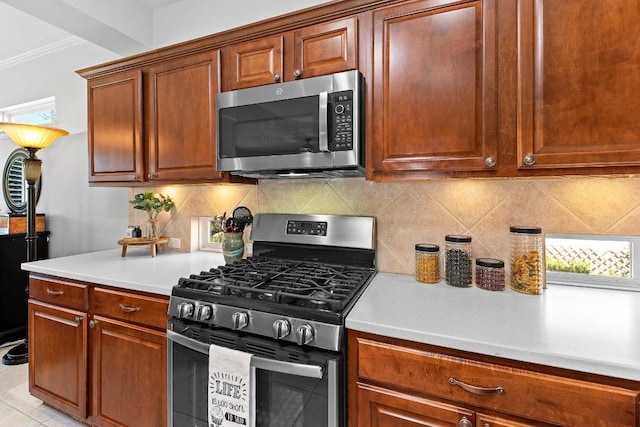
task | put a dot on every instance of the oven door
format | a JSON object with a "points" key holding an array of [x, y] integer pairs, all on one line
{"points": [[286, 394]]}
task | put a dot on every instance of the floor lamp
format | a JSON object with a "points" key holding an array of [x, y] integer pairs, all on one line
{"points": [[32, 138]]}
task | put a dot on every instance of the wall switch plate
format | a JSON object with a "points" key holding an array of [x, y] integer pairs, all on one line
{"points": [[174, 243]]}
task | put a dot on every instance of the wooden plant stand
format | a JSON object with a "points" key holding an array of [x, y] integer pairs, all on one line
{"points": [[142, 241]]}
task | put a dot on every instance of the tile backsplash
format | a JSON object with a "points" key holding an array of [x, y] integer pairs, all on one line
{"points": [[412, 212]]}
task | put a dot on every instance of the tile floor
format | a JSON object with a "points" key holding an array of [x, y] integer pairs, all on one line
{"points": [[17, 407]]}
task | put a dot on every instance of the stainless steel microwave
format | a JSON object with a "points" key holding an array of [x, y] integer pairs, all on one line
{"points": [[305, 128]]}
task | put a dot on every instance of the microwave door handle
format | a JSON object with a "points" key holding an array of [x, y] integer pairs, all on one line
{"points": [[297, 369], [323, 137]]}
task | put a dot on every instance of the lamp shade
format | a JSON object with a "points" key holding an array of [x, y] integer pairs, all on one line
{"points": [[32, 136]]}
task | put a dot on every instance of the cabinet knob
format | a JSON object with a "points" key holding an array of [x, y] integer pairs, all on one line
{"points": [[297, 73], [276, 77], [136, 177], [152, 176], [92, 323], [490, 162], [464, 422], [529, 160], [78, 320]]}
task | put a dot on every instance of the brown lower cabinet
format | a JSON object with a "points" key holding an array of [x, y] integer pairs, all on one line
{"points": [[395, 383], [98, 354]]}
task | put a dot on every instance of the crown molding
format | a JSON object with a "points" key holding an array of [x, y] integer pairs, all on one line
{"points": [[45, 50]]}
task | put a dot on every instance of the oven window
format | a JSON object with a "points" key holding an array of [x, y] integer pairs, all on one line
{"points": [[190, 371], [288, 401], [282, 400], [271, 128]]}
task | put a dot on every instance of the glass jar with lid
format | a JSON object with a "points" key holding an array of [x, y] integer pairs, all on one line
{"points": [[527, 259], [490, 274], [457, 266], [427, 262]]}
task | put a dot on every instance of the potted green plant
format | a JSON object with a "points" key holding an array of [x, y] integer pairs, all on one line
{"points": [[153, 204]]}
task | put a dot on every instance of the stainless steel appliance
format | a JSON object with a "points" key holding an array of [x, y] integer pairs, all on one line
{"points": [[286, 306], [305, 128]]}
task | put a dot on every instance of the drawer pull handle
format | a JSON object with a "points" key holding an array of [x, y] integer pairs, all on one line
{"points": [[129, 309], [54, 293], [474, 389]]}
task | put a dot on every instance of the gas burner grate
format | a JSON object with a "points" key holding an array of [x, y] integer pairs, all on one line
{"points": [[311, 285]]}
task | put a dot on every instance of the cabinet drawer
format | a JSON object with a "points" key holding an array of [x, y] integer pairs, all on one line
{"points": [[59, 292], [131, 307], [525, 393]]}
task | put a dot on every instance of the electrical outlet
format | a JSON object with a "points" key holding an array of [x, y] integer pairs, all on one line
{"points": [[174, 243]]}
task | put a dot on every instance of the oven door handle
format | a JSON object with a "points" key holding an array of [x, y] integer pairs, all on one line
{"points": [[297, 369]]}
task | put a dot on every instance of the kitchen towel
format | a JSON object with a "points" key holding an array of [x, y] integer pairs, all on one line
{"points": [[230, 391]]}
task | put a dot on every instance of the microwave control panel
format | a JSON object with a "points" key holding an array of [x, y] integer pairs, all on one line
{"points": [[341, 119]]}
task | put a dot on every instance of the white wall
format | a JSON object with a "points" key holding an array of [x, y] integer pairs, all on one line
{"points": [[80, 218]]}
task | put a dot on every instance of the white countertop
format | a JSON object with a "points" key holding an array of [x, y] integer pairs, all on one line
{"points": [[137, 271], [583, 329], [589, 330]]}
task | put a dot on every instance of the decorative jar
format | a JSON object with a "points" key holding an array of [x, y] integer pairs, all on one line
{"points": [[427, 263], [457, 266], [232, 247], [527, 260], [490, 274]]}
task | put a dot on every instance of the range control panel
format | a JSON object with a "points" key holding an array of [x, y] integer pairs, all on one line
{"points": [[309, 228], [341, 118]]}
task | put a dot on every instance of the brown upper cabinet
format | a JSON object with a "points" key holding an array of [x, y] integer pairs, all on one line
{"points": [[578, 83], [466, 88], [155, 124], [434, 82], [311, 51], [115, 128], [180, 116]]}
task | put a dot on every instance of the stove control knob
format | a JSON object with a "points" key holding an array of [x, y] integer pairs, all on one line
{"points": [[239, 319], [304, 334], [185, 309], [281, 328], [203, 312]]}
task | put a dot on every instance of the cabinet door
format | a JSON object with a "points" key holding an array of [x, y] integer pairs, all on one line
{"points": [[578, 101], [115, 128], [58, 357], [253, 63], [379, 407], [129, 379], [322, 49], [180, 111], [434, 88]]}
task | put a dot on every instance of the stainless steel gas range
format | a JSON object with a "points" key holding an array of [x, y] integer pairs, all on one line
{"points": [[286, 306]]}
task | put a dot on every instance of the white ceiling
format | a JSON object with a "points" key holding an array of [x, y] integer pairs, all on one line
{"points": [[28, 27]]}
